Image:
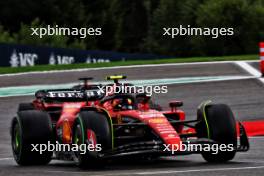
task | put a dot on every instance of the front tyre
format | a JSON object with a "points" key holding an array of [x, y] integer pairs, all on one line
{"points": [[217, 123], [91, 130]]}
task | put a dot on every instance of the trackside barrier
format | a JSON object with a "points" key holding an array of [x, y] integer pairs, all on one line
{"points": [[15, 55], [261, 55]]}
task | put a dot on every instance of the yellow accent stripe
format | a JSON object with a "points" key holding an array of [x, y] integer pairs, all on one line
{"points": [[115, 77], [205, 118]]}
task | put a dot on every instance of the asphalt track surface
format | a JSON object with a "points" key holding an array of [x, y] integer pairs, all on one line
{"points": [[246, 98]]}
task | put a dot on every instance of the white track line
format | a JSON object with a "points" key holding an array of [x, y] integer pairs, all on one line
{"points": [[256, 137], [251, 70], [120, 67], [2, 159], [200, 170], [133, 172]]}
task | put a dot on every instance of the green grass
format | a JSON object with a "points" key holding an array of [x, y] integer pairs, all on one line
{"points": [[4, 70]]}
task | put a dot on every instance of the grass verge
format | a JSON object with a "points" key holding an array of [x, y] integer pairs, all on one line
{"points": [[5, 70]]}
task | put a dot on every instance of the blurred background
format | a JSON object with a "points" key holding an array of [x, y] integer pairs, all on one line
{"points": [[136, 26]]}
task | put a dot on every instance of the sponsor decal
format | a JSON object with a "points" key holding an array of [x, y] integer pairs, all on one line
{"points": [[92, 60], [65, 95], [73, 94], [150, 114], [157, 120], [20, 59], [60, 59]]}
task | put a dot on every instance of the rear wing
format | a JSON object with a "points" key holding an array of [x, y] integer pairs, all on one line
{"points": [[69, 95]]}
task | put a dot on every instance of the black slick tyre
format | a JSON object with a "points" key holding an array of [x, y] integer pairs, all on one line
{"points": [[92, 128], [25, 107], [217, 123]]}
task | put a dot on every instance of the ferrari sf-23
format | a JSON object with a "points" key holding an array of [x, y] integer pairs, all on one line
{"points": [[122, 125]]}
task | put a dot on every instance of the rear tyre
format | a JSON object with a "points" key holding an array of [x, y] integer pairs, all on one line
{"points": [[31, 128], [92, 129], [219, 125], [26, 106]]}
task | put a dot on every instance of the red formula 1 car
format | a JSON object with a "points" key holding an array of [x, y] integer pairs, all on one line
{"points": [[118, 125]]}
